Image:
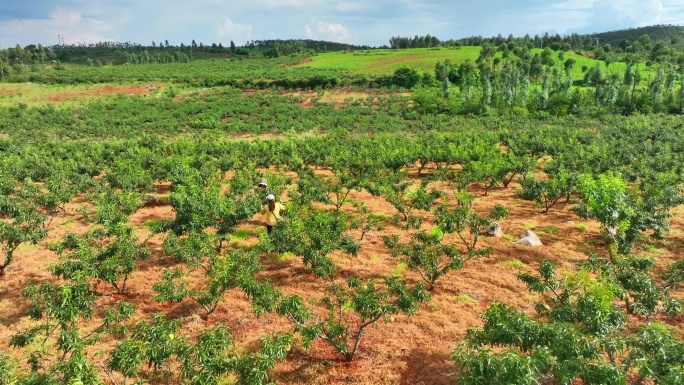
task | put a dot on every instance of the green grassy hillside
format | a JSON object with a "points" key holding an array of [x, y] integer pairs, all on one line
{"points": [[655, 32], [386, 61]]}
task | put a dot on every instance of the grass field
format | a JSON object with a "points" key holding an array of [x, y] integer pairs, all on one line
{"points": [[386, 61]]}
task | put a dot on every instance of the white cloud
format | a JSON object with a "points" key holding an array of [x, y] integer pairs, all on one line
{"points": [[614, 14], [372, 22], [239, 33], [67, 23], [322, 30]]}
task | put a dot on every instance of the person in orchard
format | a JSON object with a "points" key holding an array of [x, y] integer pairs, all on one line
{"points": [[263, 185], [272, 210]]}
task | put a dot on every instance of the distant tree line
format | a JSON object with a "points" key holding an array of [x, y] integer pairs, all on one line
{"points": [[616, 40], [643, 47], [17, 58], [426, 41], [673, 34], [308, 44], [285, 48]]}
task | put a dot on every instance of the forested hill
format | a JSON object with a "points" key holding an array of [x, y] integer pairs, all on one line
{"points": [[278, 47], [318, 45], [656, 32]]}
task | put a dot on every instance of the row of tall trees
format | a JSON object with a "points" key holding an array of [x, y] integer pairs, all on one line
{"points": [[426, 41], [537, 83], [317, 45], [29, 55], [146, 57]]}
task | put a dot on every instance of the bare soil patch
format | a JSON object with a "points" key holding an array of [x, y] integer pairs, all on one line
{"points": [[302, 62], [77, 94], [251, 91], [338, 97], [8, 91]]}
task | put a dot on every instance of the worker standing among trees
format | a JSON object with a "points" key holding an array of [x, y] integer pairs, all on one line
{"points": [[272, 211]]}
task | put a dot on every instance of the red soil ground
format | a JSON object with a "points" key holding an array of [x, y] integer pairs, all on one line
{"points": [[98, 91], [407, 351]]}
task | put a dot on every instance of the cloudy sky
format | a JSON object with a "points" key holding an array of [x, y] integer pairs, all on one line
{"points": [[370, 22]]}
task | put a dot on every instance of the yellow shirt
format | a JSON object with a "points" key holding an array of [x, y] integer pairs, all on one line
{"points": [[272, 217]]}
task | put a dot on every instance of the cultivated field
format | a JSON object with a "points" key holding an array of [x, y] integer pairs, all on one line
{"points": [[135, 248]]}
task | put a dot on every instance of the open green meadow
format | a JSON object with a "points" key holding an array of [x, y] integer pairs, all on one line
{"points": [[386, 61]]}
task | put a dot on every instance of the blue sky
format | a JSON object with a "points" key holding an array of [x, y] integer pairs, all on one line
{"points": [[351, 21]]}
